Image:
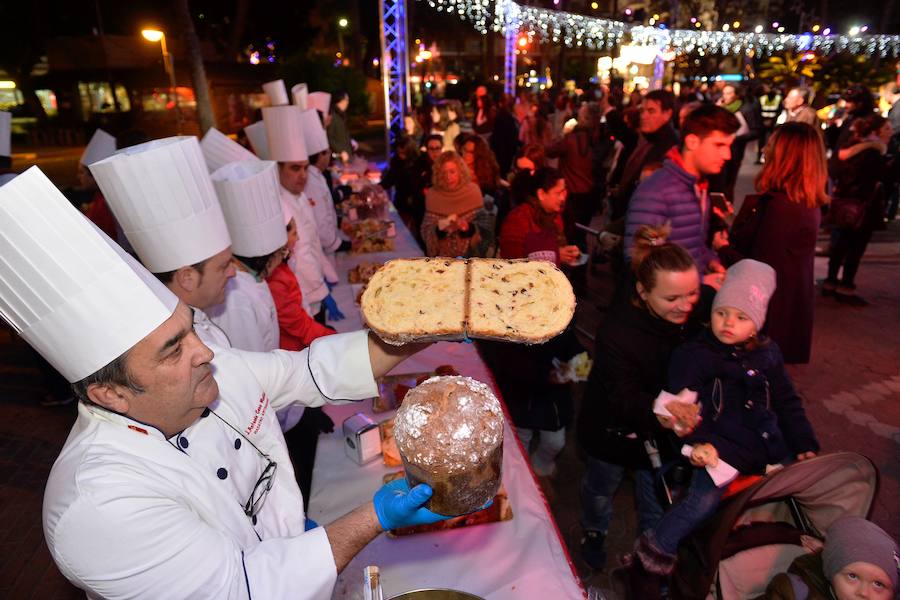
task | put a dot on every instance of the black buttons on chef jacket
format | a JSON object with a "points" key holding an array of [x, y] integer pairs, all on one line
{"points": [[222, 472], [205, 413], [237, 443], [183, 442]]}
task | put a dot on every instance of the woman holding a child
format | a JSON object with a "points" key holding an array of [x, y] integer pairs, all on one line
{"points": [[746, 410]]}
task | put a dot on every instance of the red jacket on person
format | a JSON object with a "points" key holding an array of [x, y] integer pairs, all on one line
{"points": [[518, 225], [297, 329]]}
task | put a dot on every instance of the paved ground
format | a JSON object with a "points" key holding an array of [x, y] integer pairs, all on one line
{"points": [[852, 389]]}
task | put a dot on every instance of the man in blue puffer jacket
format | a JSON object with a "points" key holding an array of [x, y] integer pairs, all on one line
{"points": [[677, 192]]}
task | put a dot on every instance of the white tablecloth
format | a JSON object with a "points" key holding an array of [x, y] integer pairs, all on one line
{"points": [[518, 559]]}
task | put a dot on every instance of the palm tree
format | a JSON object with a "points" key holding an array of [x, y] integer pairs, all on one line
{"points": [[205, 114], [790, 69]]}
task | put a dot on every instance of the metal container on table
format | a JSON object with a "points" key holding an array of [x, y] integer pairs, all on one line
{"points": [[362, 440], [436, 594]]}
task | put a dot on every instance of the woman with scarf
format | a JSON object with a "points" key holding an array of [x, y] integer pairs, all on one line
{"points": [[451, 207]]}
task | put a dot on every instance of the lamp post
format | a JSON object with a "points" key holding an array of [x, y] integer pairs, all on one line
{"points": [[343, 23], [155, 35]]}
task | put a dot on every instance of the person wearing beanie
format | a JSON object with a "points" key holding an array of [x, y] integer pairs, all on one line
{"points": [[736, 411], [859, 560]]}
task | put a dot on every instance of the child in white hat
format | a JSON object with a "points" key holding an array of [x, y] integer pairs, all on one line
{"points": [[747, 414]]}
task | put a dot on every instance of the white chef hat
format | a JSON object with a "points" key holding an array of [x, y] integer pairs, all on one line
{"points": [[321, 101], [313, 133], [277, 92], [102, 145], [284, 130], [67, 289], [161, 194], [300, 92], [5, 133], [219, 150], [250, 195], [256, 133]]}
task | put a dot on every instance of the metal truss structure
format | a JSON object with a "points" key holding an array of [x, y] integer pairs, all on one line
{"points": [[394, 67]]}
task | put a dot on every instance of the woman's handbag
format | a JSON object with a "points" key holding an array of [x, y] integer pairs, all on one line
{"points": [[846, 213]]}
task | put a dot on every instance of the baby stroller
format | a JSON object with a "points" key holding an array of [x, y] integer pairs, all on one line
{"points": [[756, 532]]}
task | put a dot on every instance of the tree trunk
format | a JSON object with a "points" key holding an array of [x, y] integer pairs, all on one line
{"points": [[241, 9], [887, 16], [205, 114]]}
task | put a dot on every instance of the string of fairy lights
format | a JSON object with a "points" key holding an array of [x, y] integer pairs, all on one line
{"points": [[576, 30]]}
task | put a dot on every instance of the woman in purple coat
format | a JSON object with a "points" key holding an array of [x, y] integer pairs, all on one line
{"points": [[778, 226]]}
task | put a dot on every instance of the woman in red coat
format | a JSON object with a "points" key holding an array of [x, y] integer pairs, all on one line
{"points": [[538, 404], [782, 232], [296, 327]]}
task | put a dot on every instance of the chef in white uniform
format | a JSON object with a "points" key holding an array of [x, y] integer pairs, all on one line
{"points": [[249, 196], [315, 273], [161, 194], [317, 191], [175, 481]]}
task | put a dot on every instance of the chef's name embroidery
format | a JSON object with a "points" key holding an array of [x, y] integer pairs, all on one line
{"points": [[261, 407]]}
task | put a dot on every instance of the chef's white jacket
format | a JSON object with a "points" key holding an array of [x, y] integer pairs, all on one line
{"points": [[323, 210], [308, 261], [248, 314], [208, 332], [130, 514]]}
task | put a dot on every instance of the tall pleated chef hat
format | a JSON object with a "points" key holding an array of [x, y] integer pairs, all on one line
{"points": [[102, 145], [256, 133], [321, 101], [284, 130], [5, 133], [68, 290], [277, 92], [162, 196], [219, 150], [250, 195], [300, 92], [313, 133]]}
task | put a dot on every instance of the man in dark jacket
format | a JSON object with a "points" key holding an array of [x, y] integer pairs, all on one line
{"points": [[677, 193], [657, 137], [505, 136]]}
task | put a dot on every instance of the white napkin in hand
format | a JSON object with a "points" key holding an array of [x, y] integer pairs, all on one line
{"points": [[722, 474], [685, 396]]}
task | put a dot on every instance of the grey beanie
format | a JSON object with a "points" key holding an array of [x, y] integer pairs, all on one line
{"points": [[854, 539], [748, 286]]}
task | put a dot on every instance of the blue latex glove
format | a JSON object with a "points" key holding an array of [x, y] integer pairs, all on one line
{"points": [[310, 524], [398, 506], [331, 285], [331, 309]]}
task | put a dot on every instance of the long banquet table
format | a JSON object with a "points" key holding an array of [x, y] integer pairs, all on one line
{"points": [[518, 559]]}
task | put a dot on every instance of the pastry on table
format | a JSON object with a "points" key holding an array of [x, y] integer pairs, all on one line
{"points": [[449, 431]]}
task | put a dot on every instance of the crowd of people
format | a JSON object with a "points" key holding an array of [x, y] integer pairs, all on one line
{"points": [[706, 300], [240, 238]]}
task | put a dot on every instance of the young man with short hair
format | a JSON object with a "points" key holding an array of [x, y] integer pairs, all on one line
{"points": [[677, 193]]}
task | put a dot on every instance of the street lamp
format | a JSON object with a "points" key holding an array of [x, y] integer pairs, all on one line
{"points": [[155, 35]]}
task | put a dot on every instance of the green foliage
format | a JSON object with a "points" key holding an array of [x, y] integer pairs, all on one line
{"points": [[319, 74], [826, 74], [841, 70], [788, 69]]}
